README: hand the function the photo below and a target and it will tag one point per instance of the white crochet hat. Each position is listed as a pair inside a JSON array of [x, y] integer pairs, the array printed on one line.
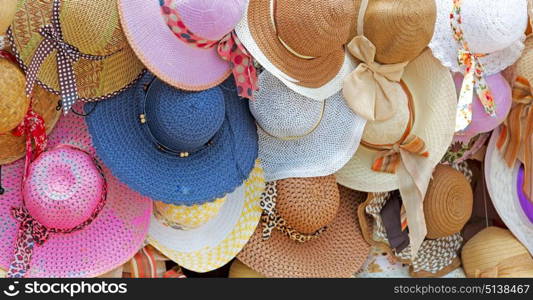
[[301, 137], [492, 27]]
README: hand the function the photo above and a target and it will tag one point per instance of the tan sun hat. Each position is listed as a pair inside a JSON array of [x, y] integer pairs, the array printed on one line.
[[448, 203], [7, 12], [401, 152], [90, 35], [308, 229], [240, 270], [495, 253]]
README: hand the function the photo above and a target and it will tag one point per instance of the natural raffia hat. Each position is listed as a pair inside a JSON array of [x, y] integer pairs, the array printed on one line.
[[308, 229], [84, 37], [495, 253], [7, 12]]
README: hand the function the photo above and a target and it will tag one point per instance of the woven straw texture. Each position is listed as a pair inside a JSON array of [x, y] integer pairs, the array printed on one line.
[[337, 252], [326, 90], [44, 103], [489, 248], [13, 103], [7, 13], [240, 270], [329, 132], [173, 61], [110, 241], [187, 217], [400, 29], [502, 186], [207, 174], [448, 203], [490, 27], [91, 26], [524, 66], [435, 102], [217, 242]]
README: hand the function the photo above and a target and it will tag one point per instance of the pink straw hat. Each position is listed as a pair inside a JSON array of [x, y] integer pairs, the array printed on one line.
[[481, 121], [189, 44], [85, 222]]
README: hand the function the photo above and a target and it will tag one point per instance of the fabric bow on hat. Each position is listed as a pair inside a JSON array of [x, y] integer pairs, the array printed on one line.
[[516, 138], [371, 89], [66, 55]]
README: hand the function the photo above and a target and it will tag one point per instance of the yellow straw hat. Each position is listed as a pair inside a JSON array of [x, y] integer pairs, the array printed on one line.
[[7, 12], [240, 270]]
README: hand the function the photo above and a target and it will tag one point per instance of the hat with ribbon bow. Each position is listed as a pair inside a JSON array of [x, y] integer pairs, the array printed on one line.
[[70, 217], [478, 38], [73, 48], [24, 121], [197, 48], [300, 42], [308, 229], [401, 152], [495, 253], [372, 88]]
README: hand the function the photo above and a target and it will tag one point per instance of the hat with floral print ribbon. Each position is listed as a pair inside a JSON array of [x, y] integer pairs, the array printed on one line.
[[196, 46]]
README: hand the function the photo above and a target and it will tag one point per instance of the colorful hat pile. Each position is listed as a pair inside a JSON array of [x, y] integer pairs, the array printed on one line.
[[269, 138]]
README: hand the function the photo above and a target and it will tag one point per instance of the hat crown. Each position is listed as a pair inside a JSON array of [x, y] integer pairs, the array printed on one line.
[[313, 28], [308, 204], [493, 25], [187, 217], [210, 19], [63, 188], [183, 121]]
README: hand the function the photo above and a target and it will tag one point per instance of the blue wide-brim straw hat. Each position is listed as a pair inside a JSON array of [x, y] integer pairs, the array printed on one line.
[[175, 146]]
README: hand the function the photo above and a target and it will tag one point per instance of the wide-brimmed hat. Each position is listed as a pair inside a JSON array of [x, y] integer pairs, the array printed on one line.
[[301, 137], [401, 152], [505, 185], [308, 229], [85, 40], [175, 146], [7, 13], [14, 109], [196, 47], [495, 253], [301, 43], [111, 239], [225, 227], [393, 38]]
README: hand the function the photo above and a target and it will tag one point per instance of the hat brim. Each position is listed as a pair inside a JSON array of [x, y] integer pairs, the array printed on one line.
[[502, 187], [171, 60], [14, 147], [108, 242], [218, 241], [435, 101], [204, 176], [339, 251], [255, 44]]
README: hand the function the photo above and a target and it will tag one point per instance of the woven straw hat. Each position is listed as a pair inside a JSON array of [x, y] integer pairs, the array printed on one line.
[[114, 236], [427, 81], [492, 27], [307, 205], [240, 270], [300, 137], [505, 190], [298, 24], [7, 12], [495, 253], [448, 203], [400, 29], [217, 241], [13, 107], [93, 28]]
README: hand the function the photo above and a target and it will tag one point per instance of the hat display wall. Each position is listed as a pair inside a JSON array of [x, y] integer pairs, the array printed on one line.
[[179, 147], [481, 121], [111, 239], [84, 37], [192, 37], [400, 153], [495, 253], [396, 33], [506, 193], [308, 229], [300, 42], [300, 137]]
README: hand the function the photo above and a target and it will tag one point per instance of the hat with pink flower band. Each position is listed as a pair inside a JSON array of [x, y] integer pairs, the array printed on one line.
[[68, 217]]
